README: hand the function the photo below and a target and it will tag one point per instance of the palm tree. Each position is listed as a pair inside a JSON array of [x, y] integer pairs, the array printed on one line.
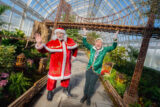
[[3, 8]]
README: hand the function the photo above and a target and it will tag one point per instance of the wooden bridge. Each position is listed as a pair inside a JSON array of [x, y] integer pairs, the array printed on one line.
[[125, 29]]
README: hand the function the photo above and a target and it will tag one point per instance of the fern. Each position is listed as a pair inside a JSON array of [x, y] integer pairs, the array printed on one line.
[[18, 84]]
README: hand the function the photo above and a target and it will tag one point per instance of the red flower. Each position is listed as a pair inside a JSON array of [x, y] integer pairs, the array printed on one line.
[[104, 71]]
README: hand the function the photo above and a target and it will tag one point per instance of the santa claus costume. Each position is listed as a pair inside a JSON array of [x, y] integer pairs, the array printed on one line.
[[62, 51]]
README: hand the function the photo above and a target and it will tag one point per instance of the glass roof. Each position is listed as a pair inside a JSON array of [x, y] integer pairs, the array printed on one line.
[[85, 8], [47, 9]]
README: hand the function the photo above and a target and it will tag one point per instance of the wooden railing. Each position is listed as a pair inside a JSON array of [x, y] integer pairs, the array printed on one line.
[[117, 98]]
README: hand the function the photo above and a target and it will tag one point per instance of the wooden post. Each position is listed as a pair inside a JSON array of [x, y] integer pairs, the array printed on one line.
[[42, 65], [131, 95], [58, 15], [67, 12], [0, 40]]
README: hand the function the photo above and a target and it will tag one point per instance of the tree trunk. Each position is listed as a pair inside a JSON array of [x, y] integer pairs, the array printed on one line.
[[0, 40], [131, 95]]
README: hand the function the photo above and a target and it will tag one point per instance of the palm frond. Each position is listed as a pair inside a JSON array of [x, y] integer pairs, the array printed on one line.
[[3, 8]]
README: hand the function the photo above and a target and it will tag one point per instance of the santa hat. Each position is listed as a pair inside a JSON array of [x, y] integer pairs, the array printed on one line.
[[54, 37]]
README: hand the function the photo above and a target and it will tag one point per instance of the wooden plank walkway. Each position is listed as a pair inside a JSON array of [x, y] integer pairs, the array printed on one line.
[[99, 99]]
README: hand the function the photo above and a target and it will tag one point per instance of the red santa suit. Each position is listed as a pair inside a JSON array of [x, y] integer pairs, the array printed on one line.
[[60, 60]]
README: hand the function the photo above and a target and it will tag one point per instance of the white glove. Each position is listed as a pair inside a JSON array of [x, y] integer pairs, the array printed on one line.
[[84, 31], [115, 37]]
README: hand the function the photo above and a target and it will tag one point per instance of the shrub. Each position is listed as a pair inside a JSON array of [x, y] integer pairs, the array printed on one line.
[[118, 56], [6, 58], [120, 87]]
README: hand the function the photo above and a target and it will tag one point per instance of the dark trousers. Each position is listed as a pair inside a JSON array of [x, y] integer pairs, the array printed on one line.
[[91, 79]]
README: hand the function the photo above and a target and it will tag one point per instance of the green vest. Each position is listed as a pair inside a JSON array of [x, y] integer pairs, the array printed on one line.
[[97, 64]]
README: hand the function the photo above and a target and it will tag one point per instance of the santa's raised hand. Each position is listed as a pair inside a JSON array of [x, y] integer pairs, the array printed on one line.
[[84, 31], [38, 38]]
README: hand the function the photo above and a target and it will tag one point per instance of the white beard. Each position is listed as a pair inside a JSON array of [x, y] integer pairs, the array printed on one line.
[[60, 38]]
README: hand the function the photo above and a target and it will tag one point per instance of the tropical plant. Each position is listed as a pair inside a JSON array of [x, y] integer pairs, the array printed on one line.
[[118, 56], [132, 53], [6, 58], [73, 33], [18, 84], [19, 44], [16, 33], [3, 8]]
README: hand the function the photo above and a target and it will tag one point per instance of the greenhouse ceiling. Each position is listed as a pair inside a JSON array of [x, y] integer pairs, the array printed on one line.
[[31, 10], [42, 9]]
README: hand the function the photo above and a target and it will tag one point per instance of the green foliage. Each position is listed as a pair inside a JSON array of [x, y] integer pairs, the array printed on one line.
[[33, 53], [16, 33], [6, 58], [148, 103], [149, 87], [3, 8], [135, 105], [1, 92], [118, 56], [71, 18], [120, 87], [73, 33], [19, 44], [91, 36], [18, 84], [133, 53]]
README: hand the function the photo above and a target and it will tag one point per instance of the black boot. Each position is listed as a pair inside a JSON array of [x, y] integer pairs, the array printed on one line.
[[84, 98], [88, 102], [67, 92], [49, 96]]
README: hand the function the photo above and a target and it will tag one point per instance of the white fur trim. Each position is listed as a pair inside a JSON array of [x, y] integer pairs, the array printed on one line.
[[96, 49], [60, 30], [52, 50], [64, 59], [72, 47], [59, 78], [39, 47]]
